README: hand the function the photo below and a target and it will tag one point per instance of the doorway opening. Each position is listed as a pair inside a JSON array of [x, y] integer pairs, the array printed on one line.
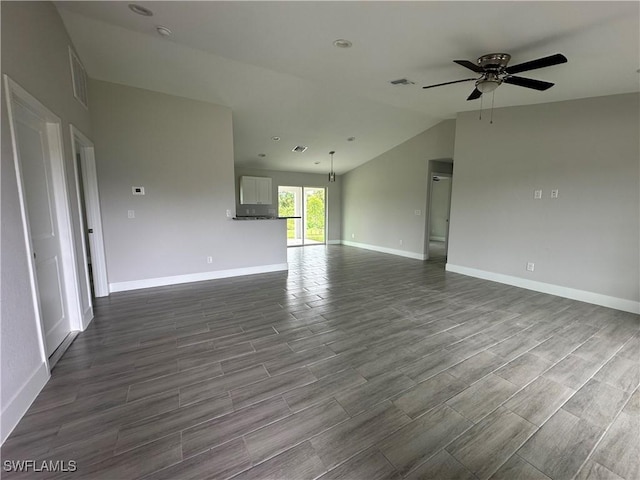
[[306, 209], [439, 209], [93, 254]]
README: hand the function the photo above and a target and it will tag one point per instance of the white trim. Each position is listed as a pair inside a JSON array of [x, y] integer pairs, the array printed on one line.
[[94, 216], [334, 242], [391, 251], [566, 292], [17, 406], [435, 238], [195, 277]]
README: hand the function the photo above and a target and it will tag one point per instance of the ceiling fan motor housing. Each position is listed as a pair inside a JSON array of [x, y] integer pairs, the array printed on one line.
[[494, 62]]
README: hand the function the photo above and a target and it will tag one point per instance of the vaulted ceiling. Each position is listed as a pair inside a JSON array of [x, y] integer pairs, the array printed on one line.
[[274, 64]]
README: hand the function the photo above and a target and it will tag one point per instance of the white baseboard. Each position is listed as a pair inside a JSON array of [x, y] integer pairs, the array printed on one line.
[[434, 238], [15, 409], [334, 242], [194, 277], [560, 291], [392, 251]]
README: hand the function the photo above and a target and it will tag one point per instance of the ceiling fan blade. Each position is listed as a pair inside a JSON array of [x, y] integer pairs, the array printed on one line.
[[528, 83], [449, 83], [539, 63], [470, 65], [475, 94]]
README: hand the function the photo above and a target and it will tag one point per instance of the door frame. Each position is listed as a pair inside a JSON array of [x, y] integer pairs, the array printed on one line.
[[94, 216], [17, 95], [428, 223]]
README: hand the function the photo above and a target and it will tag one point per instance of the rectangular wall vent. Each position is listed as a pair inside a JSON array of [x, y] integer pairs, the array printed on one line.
[[299, 149], [79, 79], [402, 81]]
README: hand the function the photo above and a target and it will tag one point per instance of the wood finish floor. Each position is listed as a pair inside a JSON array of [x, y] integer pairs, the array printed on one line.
[[354, 365]]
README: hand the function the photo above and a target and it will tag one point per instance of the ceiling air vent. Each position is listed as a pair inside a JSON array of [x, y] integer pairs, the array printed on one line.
[[402, 81], [79, 79], [299, 148]]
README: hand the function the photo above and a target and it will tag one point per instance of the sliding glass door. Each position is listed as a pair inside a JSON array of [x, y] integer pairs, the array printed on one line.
[[308, 203]]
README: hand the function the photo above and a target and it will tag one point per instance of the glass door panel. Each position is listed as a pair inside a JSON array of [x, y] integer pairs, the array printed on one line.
[[314, 215], [309, 204], [290, 205]]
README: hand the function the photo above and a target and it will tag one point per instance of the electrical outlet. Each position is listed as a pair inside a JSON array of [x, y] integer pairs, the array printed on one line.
[[417, 212], [530, 266], [209, 259], [537, 194], [353, 235], [554, 193], [400, 242], [229, 215], [131, 214]]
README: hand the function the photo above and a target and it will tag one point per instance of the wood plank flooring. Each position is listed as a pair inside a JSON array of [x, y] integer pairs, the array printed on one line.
[[353, 365]]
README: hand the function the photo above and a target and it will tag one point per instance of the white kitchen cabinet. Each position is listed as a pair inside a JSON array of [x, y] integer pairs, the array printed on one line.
[[255, 190]]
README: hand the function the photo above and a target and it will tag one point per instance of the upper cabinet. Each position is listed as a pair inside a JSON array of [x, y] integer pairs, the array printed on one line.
[[255, 191]]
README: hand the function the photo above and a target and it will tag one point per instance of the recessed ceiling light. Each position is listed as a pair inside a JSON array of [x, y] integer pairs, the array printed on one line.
[[316, 163], [299, 148], [262, 155], [164, 31], [342, 43], [140, 10], [351, 139], [275, 139]]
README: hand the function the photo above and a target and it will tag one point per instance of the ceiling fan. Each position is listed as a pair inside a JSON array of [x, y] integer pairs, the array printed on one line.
[[494, 71]]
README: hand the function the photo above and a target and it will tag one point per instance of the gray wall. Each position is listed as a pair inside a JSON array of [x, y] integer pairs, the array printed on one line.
[[181, 152], [587, 238], [35, 55], [334, 194], [379, 198]]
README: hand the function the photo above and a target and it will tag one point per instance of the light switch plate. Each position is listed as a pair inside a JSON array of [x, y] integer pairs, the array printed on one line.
[[137, 190]]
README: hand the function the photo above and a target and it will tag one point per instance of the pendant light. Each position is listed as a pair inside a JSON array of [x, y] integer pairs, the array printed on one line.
[[332, 174]]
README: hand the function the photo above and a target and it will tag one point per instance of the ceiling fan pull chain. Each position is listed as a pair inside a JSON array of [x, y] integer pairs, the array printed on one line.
[[480, 109], [493, 96]]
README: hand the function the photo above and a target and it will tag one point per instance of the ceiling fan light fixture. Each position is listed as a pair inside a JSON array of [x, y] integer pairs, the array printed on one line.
[[487, 85]]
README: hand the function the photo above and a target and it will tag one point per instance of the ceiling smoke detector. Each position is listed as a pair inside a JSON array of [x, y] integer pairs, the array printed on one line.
[[275, 138], [140, 10], [299, 149]]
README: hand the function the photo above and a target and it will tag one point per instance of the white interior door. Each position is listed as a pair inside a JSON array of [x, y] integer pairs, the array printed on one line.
[[33, 151]]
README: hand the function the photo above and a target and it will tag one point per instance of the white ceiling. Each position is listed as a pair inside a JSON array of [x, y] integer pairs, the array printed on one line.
[[275, 66]]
